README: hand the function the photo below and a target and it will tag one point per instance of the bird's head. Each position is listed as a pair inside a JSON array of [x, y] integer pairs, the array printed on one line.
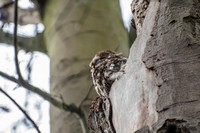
[[100, 58]]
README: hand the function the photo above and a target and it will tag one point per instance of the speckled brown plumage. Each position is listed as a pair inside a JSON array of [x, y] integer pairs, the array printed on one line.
[[106, 67], [100, 116], [139, 9]]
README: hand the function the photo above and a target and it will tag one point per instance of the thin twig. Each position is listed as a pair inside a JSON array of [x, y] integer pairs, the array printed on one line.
[[29, 67], [71, 108], [22, 110], [15, 41], [84, 123], [86, 97]]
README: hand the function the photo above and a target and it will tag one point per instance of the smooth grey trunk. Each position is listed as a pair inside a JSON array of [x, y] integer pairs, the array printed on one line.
[[160, 91]]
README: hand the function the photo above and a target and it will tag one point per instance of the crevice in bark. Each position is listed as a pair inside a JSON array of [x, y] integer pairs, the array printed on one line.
[[173, 22], [174, 126], [176, 104]]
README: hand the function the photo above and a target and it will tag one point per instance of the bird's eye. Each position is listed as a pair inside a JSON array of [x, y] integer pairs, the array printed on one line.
[[98, 61]]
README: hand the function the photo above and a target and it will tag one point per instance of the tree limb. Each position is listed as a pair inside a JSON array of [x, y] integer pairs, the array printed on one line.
[[59, 104], [15, 42], [22, 110], [71, 108]]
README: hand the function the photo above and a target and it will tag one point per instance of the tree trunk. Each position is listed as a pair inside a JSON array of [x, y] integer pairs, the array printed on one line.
[[160, 91], [75, 31]]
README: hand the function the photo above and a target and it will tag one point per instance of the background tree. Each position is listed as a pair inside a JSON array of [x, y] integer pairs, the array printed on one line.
[[74, 32], [73, 35]]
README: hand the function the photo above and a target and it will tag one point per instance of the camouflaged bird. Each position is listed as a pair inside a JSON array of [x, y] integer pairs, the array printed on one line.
[[139, 9], [100, 116], [106, 67]]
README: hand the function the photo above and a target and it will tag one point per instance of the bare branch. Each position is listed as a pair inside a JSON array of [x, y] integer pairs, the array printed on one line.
[[22, 110], [71, 108], [59, 104], [15, 41]]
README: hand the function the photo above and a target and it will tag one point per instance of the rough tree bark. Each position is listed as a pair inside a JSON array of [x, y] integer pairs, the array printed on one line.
[[160, 91], [75, 31]]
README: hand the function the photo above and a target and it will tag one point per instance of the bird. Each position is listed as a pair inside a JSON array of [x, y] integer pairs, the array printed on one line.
[[106, 67], [100, 116], [139, 9]]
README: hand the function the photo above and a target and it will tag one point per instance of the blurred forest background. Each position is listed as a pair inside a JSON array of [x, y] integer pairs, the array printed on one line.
[[68, 33]]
